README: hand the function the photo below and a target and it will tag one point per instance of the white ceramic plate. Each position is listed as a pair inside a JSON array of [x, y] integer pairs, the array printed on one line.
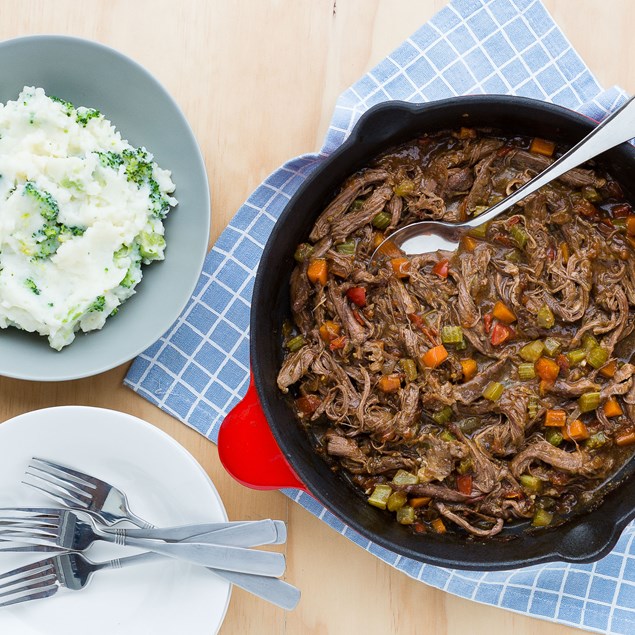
[[164, 484]]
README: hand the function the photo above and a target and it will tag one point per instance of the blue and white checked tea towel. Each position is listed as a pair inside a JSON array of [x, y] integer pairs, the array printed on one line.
[[200, 368]]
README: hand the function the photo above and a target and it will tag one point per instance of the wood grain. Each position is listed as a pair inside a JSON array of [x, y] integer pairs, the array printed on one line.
[[258, 81]]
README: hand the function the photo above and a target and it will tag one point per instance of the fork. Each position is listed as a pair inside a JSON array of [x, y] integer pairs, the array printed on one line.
[[64, 484], [63, 528], [79, 490], [69, 570]]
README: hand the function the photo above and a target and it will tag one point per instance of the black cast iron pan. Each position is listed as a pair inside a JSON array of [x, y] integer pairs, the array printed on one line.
[[261, 442]]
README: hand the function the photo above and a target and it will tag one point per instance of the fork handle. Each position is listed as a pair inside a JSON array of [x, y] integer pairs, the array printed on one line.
[[215, 556]]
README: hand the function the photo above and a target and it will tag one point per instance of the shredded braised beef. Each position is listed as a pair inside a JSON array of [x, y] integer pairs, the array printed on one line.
[[467, 390]]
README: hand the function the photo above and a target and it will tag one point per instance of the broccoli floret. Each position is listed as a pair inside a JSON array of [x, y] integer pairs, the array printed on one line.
[[111, 160], [151, 246], [138, 168], [51, 236], [98, 304], [130, 279], [47, 205], [86, 115], [29, 284], [140, 171], [67, 105]]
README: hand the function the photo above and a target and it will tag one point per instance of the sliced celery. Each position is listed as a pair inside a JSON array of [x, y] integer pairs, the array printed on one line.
[[552, 346], [589, 401], [597, 357], [443, 416], [379, 497], [406, 515], [296, 343], [531, 352], [526, 371], [493, 391], [545, 317], [396, 500], [405, 478], [451, 334]]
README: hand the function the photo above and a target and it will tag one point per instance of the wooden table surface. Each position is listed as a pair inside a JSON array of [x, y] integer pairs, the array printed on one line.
[[258, 82]]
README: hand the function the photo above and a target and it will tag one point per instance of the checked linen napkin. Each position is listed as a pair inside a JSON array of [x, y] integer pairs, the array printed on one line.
[[199, 369]]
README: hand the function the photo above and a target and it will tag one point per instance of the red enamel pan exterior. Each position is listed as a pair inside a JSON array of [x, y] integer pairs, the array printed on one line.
[[261, 442]]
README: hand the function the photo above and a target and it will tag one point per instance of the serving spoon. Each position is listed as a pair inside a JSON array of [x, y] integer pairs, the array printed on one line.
[[428, 235]]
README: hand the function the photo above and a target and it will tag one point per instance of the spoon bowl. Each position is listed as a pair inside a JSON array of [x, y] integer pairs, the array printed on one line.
[[428, 236]]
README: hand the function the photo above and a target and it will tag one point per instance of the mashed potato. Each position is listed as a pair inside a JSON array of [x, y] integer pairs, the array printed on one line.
[[80, 211]]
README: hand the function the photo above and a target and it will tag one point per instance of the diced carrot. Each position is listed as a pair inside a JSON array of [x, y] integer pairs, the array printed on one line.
[[357, 295], [442, 268], [464, 484], [623, 210], [329, 331], [630, 225], [307, 404], [542, 146], [575, 431], [609, 370], [435, 356], [612, 408], [469, 243], [400, 267], [389, 383], [338, 343], [318, 271], [564, 250], [438, 525], [547, 369], [625, 438], [555, 418], [389, 249], [378, 239], [470, 368], [503, 314], [419, 501], [500, 334]]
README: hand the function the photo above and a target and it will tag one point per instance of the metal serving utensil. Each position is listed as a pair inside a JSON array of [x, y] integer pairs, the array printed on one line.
[[428, 236]]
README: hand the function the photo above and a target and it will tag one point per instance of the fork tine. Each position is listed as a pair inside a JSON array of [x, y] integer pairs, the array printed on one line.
[[10, 546], [40, 565], [80, 477], [45, 593], [68, 500], [30, 539], [33, 581], [63, 482]]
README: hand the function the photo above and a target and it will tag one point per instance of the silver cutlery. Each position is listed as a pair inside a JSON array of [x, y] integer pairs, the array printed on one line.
[[66, 570], [64, 484], [63, 528], [81, 491]]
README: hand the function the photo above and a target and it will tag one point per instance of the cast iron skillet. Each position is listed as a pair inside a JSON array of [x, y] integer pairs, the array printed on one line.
[[257, 459]]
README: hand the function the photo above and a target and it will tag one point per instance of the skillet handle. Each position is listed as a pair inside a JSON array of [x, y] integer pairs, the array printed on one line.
[[248, 450]]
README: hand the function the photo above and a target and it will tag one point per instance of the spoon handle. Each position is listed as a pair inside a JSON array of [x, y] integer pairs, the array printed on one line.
[[616, 129]]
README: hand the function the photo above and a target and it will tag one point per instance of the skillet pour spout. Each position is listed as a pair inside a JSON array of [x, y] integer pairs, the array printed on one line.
[[584, 537]]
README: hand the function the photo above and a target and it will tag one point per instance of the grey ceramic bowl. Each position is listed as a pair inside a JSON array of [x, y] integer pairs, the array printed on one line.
[[89, 74]]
